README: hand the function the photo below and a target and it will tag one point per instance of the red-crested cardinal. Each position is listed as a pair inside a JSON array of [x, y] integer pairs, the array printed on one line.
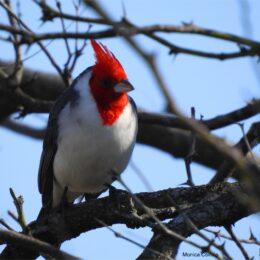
[[91, 132]]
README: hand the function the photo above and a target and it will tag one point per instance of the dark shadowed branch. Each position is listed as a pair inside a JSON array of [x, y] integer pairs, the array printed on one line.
[[203, 214], [82, 217], [250, 110], [245, 144], [14, 238]]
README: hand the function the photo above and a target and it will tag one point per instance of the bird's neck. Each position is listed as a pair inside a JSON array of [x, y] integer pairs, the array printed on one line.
[[110, 105]]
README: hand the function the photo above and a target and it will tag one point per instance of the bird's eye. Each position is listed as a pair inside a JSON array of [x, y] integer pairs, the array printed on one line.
[[106, 83]]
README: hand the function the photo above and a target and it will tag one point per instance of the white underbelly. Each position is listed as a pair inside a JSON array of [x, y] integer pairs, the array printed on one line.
[[87, 154], [85, 166]]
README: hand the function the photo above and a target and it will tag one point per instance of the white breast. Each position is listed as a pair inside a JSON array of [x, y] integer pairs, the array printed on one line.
[[87, 150]]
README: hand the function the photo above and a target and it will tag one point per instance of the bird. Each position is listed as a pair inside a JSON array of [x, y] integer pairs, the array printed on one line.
[[91, 132]]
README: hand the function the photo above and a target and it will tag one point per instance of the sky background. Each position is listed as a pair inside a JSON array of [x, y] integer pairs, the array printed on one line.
[[211, 86]]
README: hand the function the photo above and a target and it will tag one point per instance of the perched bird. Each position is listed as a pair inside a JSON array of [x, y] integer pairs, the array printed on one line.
[[91, 132]]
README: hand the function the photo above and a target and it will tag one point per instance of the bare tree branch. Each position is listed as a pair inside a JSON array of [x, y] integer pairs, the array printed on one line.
[[227, 168], [125, 27], [250, 110], [24, 129], [204, 214], [14, 238], [82, 217]]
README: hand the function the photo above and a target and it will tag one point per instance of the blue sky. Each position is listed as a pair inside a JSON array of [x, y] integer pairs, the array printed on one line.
[[211, 86]]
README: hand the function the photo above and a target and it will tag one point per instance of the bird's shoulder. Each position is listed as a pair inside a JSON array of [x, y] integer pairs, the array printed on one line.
[[132, 102], [133, 105], [68, 97]]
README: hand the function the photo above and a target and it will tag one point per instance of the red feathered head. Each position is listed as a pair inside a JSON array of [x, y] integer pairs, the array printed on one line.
[[108, 84], [107, 66]]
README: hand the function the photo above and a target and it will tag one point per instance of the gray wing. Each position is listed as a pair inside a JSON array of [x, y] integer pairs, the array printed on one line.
[[45, 174]]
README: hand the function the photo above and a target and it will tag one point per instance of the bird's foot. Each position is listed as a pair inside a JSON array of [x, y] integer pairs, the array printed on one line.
[[61, 208], [113, 192], [116, 195]]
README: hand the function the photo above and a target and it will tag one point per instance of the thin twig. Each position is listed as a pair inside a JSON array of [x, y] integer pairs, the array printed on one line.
[[18, 67], [241, 125], [245, 241], [47, 53], [18, 202], [120, 235], [3, 223], [237, 242], [192, 152], [141, 175]]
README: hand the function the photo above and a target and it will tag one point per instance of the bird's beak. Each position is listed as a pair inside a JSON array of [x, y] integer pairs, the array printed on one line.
[[123, 86]]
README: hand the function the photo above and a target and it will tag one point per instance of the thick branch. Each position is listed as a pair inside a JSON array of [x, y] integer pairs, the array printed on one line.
[[84, 217], [38, 85], [24, 129], [221, 210], [245, 144], [251, 109]]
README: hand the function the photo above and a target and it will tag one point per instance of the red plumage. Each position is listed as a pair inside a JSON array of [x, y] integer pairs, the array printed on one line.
[[106, 73], [107, 65]]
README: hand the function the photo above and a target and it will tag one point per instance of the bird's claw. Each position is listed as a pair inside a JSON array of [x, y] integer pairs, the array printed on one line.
[[115, 195], [61, 208]]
